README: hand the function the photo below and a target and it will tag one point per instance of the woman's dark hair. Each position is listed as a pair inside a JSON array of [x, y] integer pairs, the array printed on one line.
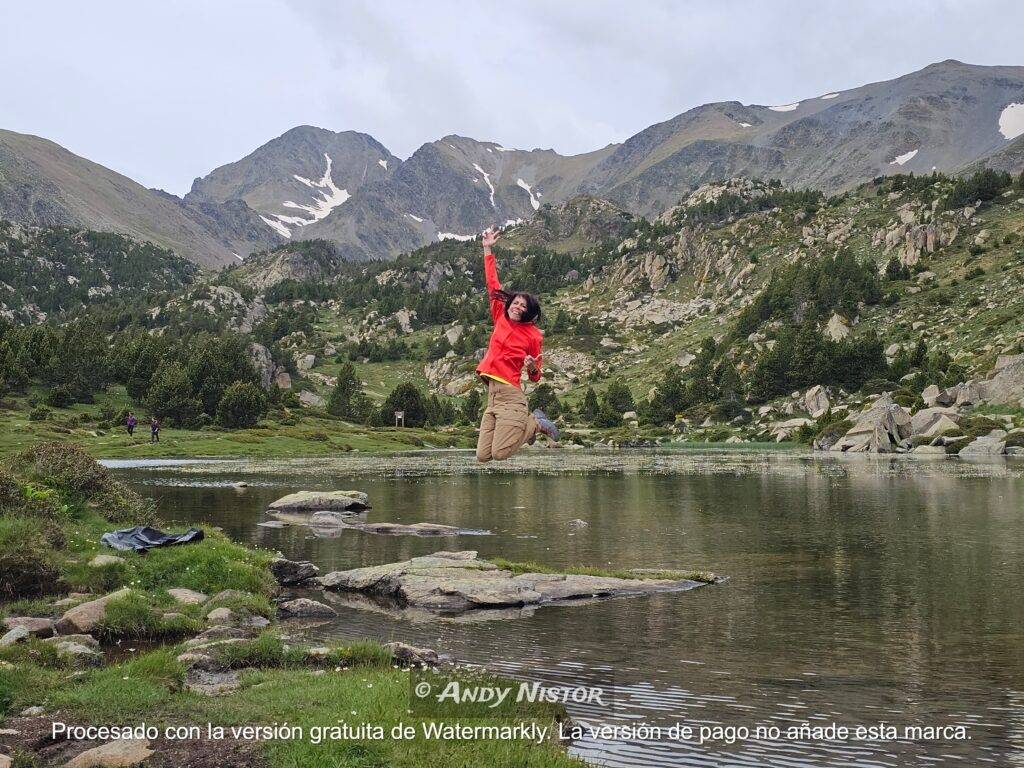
[[532, 313]]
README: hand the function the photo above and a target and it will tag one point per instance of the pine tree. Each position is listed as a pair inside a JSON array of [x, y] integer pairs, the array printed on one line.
[[589, 407], [347, 399]]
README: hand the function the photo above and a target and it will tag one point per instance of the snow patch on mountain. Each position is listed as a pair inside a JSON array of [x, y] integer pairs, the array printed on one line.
[[533, 198], [1011, 121], [504, 149], [487, 179], [904, 158], [277, 226], [415, 218], [453, 236], [830, 95], [383, 164], [327, 196], [785, 107], [745, 125]]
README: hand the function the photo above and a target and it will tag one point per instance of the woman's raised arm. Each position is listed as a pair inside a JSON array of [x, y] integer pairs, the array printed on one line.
[[490, 237]]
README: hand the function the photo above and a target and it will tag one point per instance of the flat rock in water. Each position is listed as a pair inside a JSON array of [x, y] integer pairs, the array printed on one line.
[[452, 582], [308, 501]]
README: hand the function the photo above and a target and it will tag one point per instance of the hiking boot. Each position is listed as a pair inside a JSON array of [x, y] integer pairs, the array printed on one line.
[[547, 426]]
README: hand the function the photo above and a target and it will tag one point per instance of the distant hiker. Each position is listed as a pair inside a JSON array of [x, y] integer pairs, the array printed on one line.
[[515, 343], [154, 430], [130, 423]]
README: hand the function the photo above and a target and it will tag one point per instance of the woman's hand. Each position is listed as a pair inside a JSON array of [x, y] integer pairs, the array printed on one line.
[[490, 237], [531, 363]]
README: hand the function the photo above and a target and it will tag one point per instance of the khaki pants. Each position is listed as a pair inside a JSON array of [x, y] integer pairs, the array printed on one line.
[[507, 424]]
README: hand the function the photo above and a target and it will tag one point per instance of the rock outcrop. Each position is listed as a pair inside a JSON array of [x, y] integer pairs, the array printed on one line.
[[877, 429]]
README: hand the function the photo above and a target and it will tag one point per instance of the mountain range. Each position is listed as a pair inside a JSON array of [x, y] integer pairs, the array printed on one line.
[[311, 183]]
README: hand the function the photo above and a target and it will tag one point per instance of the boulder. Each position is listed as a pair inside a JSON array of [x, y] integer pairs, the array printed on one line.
[[114, 754], [219, 614], [311, 399], [1006, 387], [187, 596], [36, 627], [780, 430], [991, 445], [6, 761], [79, 654], [411, 656], [941, 426], [86, 640], [102, 560], [934, 396], [15, 635], [304, 607], [816, 401], [1003, 361], [263, 364], [965, 393], [305, 363], [877, 429], [924, 420], [929, 450], [282, 379], [83, 618], [290, 572], [309, 501]]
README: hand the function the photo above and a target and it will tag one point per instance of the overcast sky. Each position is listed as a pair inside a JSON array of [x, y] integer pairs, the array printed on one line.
[[165, 92]]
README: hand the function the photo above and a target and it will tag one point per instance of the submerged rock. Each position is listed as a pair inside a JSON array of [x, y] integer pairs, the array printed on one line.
[[460, 581], [304, 607]]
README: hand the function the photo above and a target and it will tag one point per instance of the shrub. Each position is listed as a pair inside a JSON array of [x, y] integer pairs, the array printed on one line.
[[27, 565], [120, 504], [38, 413], [607, 417], [64, 466], [242, 405], [59, 397]]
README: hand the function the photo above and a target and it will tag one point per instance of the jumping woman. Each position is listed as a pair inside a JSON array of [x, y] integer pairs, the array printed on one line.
[[515, 344]]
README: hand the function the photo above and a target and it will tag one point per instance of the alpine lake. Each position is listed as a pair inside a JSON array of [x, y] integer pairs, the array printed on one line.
[[873, 613]]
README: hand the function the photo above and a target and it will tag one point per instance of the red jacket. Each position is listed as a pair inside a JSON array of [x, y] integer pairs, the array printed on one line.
[[510, 341]]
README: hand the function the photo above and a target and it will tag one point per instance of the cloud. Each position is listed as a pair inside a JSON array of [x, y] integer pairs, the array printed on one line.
[[166, 92]]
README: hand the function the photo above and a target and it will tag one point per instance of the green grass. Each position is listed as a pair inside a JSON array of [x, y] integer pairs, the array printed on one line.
[[312, 435], [614, 573], [365, 689]]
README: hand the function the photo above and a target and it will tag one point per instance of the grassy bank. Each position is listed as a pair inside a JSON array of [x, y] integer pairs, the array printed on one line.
[[307, 433], [55, 503]]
